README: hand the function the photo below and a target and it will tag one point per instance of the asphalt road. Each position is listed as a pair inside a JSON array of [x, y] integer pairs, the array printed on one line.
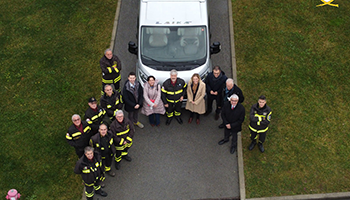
[[176, 161]]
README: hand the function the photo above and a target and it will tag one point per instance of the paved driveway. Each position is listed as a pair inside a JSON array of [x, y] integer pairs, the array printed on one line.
[[176, 161]]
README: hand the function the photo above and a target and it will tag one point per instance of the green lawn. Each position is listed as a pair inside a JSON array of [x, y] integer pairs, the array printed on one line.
[[297, 55], [50, 53]]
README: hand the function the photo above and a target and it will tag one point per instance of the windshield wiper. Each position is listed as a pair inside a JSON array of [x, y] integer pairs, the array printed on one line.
[[157, 61]]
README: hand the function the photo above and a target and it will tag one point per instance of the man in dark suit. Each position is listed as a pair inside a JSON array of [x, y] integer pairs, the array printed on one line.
[[230, 89], [232, 114]]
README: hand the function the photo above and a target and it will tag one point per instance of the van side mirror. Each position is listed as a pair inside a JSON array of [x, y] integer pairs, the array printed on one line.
[[132, 47], [215, 48]]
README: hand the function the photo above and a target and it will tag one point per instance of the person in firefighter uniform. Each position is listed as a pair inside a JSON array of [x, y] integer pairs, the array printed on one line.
[[103, 143], [90, 168], [79, 134], [173, 91], [122, 130], [110, 66], [260, 116], [111, 101], [96, 113]]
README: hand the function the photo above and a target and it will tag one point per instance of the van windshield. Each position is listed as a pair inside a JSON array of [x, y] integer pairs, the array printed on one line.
[[173, 45]]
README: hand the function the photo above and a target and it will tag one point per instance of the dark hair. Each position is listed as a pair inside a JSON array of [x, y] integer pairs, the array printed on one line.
[[262, 97], [217, 68], [149, 77], [132, 74]]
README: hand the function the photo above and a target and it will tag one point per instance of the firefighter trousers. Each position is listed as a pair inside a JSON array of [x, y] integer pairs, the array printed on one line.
[[121, 151], [91, 188], [174, 109], [255, 135], [107, 162]]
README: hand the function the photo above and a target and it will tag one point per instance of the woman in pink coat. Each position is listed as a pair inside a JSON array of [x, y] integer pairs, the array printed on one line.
[[152, 104]]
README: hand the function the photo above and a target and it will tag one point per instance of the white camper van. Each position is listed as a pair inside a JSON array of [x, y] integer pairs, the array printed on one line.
[[173, 34]]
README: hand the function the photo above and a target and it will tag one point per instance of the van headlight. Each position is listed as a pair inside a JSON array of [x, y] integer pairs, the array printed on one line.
[[204, 75], [143, 76]]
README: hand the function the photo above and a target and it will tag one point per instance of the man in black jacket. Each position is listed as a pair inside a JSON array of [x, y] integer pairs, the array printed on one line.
[[215, 83], [173, 91], [90, 168], [133, 98], [260, 116], [232, 114], [230, 89], [110, 66], [79, 134]]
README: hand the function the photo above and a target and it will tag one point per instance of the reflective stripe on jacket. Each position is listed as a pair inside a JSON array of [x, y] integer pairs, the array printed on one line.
[[110, 69], [77, 139], [171, 93], [259, 118], [90, 171]]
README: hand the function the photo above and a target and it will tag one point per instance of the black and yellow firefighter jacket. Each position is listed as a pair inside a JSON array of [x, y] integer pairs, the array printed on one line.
[[122, 132], [171, 93], [95, 116], [80, 140], [110, 69], [259, 118], [112, 103], [90, 171], [103, 145]]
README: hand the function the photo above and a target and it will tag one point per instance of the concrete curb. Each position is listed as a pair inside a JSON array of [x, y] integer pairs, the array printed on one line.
[[234, 76], [240, 167], [115, 25], [232, 39], [338, 195]]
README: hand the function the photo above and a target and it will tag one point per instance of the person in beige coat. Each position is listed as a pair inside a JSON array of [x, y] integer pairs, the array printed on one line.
[[195, 97]]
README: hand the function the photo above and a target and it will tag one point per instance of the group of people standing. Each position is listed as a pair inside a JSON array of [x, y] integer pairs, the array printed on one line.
[[106, 134]]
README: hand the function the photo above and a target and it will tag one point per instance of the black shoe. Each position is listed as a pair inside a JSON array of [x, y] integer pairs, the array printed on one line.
[[178, 119], [223, 141], [233, 149], [127, 158], [168, 121], [222, 125], [252, 145], [216, 116], [207, 113], [110, 173], [261, 147], [101, 192], [117, 165]]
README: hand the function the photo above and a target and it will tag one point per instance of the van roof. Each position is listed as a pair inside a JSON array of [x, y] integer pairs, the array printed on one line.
[[173, 12]]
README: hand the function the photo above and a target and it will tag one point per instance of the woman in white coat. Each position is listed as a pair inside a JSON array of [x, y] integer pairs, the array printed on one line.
[[195, 97], [152, 104]]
